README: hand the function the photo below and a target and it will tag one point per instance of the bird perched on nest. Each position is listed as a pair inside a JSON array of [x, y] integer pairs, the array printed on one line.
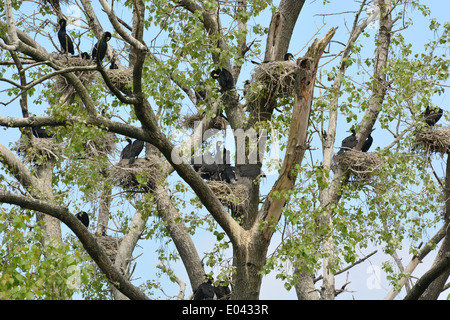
[[64, 38], [113, 65], [287, 57], [431, 116], [83, 217], [38, 132], [85, 56], [225, 79], [132, 150], [101, 46], [350, 142]]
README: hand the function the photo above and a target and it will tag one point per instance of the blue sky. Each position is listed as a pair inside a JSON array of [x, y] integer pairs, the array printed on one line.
[[310, 20]]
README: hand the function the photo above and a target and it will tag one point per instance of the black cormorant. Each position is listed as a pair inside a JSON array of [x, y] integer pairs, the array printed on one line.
[[85, 56], [349, 142], [222, 291], [224, 77], [247, 85], [132, 150], [83, 217], [38, 132], [368, 143], [64, 38], [431, 116], [113, 64], [288, 57], [101, 45], [205, 291]]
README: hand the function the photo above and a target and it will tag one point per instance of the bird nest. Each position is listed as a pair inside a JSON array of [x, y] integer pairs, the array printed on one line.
[[433, 140], [232, 196], [101, 146], [40, 148], [86, 77], [142, 175], [218, 122], [109, 244], [121, 79], [273, 79], [361, 164]]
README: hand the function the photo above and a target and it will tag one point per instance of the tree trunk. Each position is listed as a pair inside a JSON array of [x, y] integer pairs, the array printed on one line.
[[435, 288]]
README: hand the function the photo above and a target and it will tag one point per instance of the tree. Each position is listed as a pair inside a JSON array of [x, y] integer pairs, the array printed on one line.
[[163, 54]]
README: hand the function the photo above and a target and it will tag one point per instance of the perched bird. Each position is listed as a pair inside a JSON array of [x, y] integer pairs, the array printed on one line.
[[432, 116], [100, 47], [349, 142], [288, 57], [368, 143], [224, 77], [64, 39], [38, 132], [247, 85], [205, 291], [132, 150], [200, 92], [113, 64], [85, 56], [222, 291], [248, 170], [83, 217], [227, 172]]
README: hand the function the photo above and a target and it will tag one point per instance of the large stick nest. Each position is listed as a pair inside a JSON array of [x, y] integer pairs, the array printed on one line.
[[86, 77], [142, 175], [218, 122], [101, 146], [361, 164], [232, 196], [433, 140], [270, 80], [40, 148], [109, 244], [122, 79]]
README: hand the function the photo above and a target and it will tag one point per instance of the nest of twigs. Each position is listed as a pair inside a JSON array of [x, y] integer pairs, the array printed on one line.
[[271, 80], [101, 146], [433, 140], [361, 164], [86, 77], [232, 196], [142, 175], [122, 79], [40, 149], [218, 122], [109, 244]]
